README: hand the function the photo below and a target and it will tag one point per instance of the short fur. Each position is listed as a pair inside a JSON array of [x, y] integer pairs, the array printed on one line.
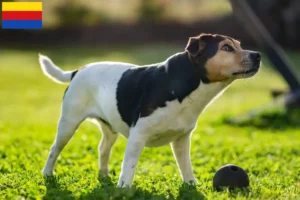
[[151, 105]]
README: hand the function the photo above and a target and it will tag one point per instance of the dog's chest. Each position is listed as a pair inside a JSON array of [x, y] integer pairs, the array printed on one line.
[[169, 123]]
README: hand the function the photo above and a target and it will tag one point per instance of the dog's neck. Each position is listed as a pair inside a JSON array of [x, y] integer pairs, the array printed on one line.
[[183, 63], [186, 79]]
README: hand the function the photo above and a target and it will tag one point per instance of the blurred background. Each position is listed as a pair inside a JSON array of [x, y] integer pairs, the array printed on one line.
[[95, 22], [77, 32]]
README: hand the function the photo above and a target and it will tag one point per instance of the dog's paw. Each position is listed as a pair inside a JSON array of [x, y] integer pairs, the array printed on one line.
[[47, 173], [192, 182], [104, 173], [123, 185]]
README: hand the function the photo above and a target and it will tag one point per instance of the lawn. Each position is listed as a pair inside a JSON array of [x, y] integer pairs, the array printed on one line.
[[268, 147]]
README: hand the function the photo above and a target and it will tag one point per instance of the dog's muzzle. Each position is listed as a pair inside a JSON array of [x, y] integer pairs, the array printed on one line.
[[250, 65], [255, 58]]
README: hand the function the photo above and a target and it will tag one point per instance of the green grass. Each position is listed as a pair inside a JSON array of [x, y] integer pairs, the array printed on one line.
[[266, 147]]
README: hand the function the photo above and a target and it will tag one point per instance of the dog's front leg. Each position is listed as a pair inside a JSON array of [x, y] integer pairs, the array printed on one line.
[[135, 145], [181, 151]]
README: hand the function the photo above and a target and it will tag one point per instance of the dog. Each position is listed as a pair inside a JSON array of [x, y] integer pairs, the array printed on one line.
[[151, 105]]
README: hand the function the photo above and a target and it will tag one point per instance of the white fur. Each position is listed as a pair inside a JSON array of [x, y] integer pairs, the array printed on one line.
[[92, 94], [53, 72]]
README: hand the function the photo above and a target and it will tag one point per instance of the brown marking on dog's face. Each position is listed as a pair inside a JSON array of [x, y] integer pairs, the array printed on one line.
[[222, 57]]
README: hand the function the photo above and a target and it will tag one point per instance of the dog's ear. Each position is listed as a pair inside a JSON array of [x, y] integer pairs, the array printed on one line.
[[197, 44]]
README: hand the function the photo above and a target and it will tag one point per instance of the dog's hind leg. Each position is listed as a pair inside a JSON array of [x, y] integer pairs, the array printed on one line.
[[71, 117], [66, 129], [108, 139]]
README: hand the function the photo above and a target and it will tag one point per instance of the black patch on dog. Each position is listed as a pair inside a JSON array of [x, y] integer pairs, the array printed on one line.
[[141, 90], [209, 51], [200, 61], [72, 76]]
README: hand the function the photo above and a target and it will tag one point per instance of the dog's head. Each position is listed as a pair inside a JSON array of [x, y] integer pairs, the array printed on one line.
[[222, 57]]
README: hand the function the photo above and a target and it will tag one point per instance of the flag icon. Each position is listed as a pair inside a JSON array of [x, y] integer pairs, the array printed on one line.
[[22, 15]]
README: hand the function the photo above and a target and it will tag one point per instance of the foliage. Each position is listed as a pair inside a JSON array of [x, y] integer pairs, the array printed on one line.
[[75, 13], [150, 10], [30, 106]]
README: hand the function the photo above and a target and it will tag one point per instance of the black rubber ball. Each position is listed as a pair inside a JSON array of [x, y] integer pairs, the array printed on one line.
[[231, 176]]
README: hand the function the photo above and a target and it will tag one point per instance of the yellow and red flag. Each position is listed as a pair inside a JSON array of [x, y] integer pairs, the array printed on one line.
[[22, 15]]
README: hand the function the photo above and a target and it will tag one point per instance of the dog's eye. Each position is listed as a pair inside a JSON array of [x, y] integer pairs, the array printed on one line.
[[226, 47]]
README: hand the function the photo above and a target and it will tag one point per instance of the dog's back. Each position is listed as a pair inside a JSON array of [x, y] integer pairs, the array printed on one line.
[[92, 89]]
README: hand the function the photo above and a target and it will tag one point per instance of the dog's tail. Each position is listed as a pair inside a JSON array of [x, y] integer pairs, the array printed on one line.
[[54, 72]]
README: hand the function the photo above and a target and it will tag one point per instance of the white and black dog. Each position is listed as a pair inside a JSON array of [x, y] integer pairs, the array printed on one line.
[[151, 105]]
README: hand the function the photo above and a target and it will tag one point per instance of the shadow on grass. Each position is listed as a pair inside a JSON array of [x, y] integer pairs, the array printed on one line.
[[108, 190], [188, 192], [55, 190], [271, 120], [243, 192], [234, 192]]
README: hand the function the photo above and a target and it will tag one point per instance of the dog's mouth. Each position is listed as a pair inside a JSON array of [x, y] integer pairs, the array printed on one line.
[[250, 71]]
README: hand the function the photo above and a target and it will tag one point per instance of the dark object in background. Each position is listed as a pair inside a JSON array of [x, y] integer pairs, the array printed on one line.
[[275, 53], [281, 18], [231, 176]]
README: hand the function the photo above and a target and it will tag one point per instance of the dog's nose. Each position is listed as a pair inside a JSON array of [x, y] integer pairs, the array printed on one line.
[[256, 56]]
